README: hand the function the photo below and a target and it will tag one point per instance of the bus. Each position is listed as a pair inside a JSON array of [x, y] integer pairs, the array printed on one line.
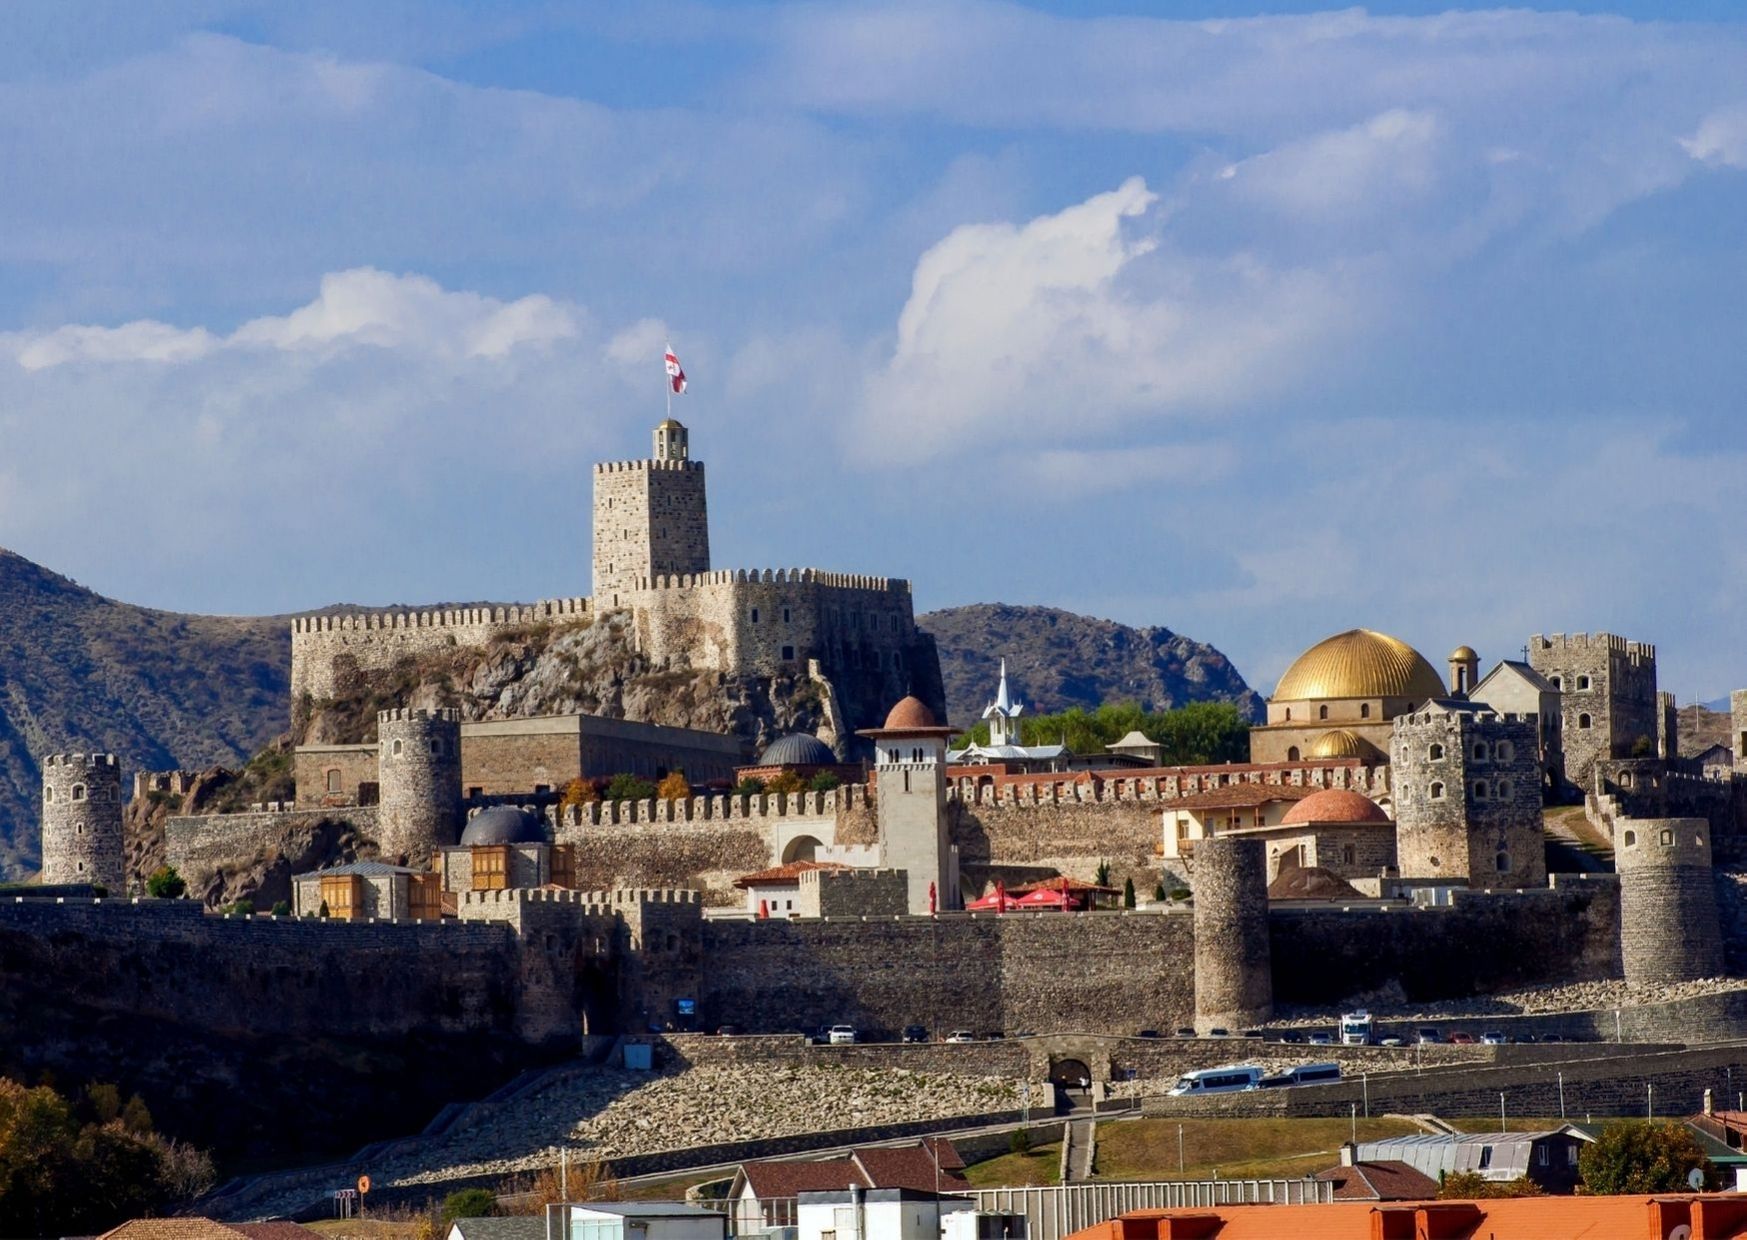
[[1235, 1078], [1314, 1074]]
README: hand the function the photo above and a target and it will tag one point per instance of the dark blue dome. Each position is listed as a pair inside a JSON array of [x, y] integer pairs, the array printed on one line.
[[503, 824], [797, 749]]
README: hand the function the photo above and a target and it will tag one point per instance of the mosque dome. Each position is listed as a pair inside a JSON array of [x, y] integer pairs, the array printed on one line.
[[1463, 654], [1359, 663], [797, 749], [1340, 743], [1334, 805], [910, 713], [503, 824]]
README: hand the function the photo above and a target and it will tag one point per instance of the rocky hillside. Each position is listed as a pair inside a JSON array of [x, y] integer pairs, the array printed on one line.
[[82, 672], [1057, 659]]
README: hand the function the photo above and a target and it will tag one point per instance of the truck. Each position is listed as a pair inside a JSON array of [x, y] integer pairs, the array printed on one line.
[[1355, 1029]]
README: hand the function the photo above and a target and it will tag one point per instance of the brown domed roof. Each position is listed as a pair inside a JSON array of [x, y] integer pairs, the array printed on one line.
[[1334, 805], [1359, 663], [911, 712]]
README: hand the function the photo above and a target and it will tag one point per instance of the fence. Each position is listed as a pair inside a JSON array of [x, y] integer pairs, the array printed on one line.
[[1052, 1213]]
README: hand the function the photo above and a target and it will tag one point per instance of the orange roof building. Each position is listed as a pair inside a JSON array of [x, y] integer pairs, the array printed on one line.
[[1697, 1217]]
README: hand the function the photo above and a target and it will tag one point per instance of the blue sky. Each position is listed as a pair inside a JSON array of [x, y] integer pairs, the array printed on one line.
[[1256, 327]]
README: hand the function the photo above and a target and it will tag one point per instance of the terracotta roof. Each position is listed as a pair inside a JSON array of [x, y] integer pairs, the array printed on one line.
[[789, 873], [909, 1166], [1387, 1180], [275, 1231], [1312, 882], [910, 717], [1241, 796], [1335, 805], [206, 1229]]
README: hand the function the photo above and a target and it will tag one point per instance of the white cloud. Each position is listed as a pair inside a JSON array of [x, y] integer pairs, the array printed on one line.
[[140, 341], [1077, 320], [1365, 167], [1721, 138], [639, 345]]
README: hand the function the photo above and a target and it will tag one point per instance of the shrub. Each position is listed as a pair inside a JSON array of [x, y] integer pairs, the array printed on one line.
[[1128, 893], [824, 781], [242, 908], [166, 884], [1103, 875], [784, 782], [578, 792], [1019, 1142], [467, 1203], [675, 787], [751, 786], [1472, 1186], [282, 908], [626, 787]]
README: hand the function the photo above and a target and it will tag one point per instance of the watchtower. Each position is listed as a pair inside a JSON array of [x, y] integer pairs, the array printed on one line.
[[1668, 906], [81, 821], [1234, 981], [1607, 688], [651, 518], [418, 759], [910, 804], [1467, 785], [1738, 728]]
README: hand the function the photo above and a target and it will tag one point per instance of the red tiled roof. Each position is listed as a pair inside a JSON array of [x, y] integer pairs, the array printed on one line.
[[275, 1231], [911, 1167], [1383, 1180], [790, 873], [1335, 805], [206, 1229], [1241, 796]]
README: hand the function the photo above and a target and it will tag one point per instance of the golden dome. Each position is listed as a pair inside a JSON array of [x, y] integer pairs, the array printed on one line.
[[1359, 664], [1463, 654], [1340, 743]]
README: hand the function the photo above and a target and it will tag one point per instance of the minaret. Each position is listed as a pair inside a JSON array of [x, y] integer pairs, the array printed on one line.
[[910, 804]]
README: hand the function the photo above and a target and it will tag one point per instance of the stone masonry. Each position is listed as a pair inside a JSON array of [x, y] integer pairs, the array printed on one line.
[[81, 821], [1607, 689], [1669, 929], [852, 893], [420, 762], [1233, 979], [1738, 728], [1468, 797]]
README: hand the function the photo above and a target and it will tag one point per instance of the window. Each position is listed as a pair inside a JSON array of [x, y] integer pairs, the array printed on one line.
[[437, 745], [788, 653], [1485, 1157], [79, 828], [1571, 1155], [1582, 683], [1583, 721], [48, 794], [1480, 751], [334, 779], [564, 865], [1346, 854], [1288, 714], [1543, 1156], [1322, 712], [1480, 790], [1503, 788], [1435, 753], [78, 792], [394, 749], [425, 897], [755, 615], [491, 867], [1437, 791], [1558, 682], [1364, 710], [343, 894], [785, 615], [1504, 751], [1668, 839], [1292, 754], [1631, 838], [1503, 862]]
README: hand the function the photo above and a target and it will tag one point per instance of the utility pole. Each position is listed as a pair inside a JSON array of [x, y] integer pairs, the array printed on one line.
[[1501, 1111], [1561, 1095]]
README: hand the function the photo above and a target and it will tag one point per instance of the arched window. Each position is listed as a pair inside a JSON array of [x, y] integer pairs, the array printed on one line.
[[1558, 682], [1583, 721], [1480, 790], [334, 780], [1631, 838], [1322, 712], [1668, 839], [79, 828], [1436, 752], [1292, 754], [394, 749], [1503, 862], [1503, 788], [1364, 710], [1288, 714], [1437, 791], [48, 794], [1504, 751], [78, 792], [1480, 751]]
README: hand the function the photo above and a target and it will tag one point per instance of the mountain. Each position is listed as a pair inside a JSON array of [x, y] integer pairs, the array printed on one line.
[[1057, 659], [80, 672]]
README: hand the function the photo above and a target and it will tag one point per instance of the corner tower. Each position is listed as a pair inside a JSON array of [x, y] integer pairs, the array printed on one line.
[[910, 804], [1234, 979], [1668, 906], [81, 821], [418, 755], [650, 518]]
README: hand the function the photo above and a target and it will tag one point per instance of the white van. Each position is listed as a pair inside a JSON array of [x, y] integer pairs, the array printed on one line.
[[1314, 1074], [1228, 1080]]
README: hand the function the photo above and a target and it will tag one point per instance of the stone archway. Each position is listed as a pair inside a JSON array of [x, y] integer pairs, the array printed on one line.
[[1065, 1073], [801, 848]]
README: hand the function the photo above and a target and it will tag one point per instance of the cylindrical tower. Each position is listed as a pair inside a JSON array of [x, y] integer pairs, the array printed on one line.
[[418, 761], [1668, 906], [1234, 982], [81, 821]]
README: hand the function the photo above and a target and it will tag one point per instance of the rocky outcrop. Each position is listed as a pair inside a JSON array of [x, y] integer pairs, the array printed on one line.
[[1057, 659]]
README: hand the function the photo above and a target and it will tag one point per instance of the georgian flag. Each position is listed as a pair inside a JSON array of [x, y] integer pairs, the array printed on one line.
[[675, 375]]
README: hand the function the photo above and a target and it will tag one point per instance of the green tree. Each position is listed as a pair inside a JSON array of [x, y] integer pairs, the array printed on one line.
[[242, 908], [467, 1203], [1102, 875], [281, 908], [1636, 1158], [1128, 893], [751, 786], [824, 781], [1019, 1142], [166, 884], [626, 787], [1199, 734]]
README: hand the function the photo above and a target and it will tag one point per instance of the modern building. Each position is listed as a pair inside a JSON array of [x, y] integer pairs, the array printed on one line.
[[1548, 1158]]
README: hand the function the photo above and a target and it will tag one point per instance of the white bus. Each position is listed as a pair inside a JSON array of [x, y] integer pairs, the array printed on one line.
[[1228, 1080]]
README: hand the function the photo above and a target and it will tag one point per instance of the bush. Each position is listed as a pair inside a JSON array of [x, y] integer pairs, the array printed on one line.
[[785, 782], [467, 1203], [281, 908], [824, 781], [1128, 893], [242, 908], [578, 792], [675, 787], [166, 884], [1641, 1158], [1102, 877], [1019, 1142], [624, 787], [1472, 1186], [751, 786]]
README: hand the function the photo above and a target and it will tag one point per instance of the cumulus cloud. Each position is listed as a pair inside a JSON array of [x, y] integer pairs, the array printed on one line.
[[1074, 321], [1369, 166], [1721, 138]]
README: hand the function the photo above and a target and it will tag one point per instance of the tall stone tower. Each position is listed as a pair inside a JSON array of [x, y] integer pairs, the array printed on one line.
[[418, 760], [1467, 784], [1234, 980], [910, 804], [1607, 688], [81, 821], [1667, 727], [650, 518], [1668, 906], [1738, 728]]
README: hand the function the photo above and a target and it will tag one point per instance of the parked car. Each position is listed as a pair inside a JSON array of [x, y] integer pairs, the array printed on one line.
[[1147, 1033], [1217, 1032], [1393, 1039], [1554, 1037], [1249, 1033], [961, 1035], [1427, 1036], [1292, 1036], [841, 1035], [728, 1031], [1461, 1038], [915, 1033], [1526, 1038], [1321, 1039], [1492, 1037], [1185, 1032]]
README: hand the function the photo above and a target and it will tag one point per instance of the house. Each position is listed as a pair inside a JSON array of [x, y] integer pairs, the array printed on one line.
[[602, 1220], [1547, 1158], [1216, 811], [1512, 1218], [874, 1213], [765, 1193], [526, 1227], [206, 1229], [368, 889], [773, 892], [1385, 1180]]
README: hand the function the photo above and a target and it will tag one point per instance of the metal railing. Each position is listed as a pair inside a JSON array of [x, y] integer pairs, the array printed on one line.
[[1053, 1213]]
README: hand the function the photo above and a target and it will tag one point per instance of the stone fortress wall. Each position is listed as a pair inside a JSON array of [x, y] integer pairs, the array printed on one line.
[[1607, 690], [1669, 930], [81, 820], [1468, 797]]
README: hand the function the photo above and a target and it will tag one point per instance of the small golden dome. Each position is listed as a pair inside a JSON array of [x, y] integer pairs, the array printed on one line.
[[669, 424], [1359, 663], [1340, 743], [1464, 654]]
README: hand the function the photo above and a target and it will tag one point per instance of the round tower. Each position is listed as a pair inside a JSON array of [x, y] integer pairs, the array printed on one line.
[[1234, 982], [81, 821], [1668, 906], [418, 758]]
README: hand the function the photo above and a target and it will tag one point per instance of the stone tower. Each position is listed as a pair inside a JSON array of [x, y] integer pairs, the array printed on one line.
[[650, 518], [1467, 784], [1667, 727], [1738, 728], [1234, 981], [910, 804], [1464, 671], [418, 758], [1607, 689], [81, 821], [1668, 906]]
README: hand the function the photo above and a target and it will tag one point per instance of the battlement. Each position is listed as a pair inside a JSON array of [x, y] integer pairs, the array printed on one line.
[[1593, 641], [414, 714], [1043, 791], [534, 895], [776, 576], [752, 809], [88, 761], [546, 610], [1458, 720], [1659, 843], [629, 467]]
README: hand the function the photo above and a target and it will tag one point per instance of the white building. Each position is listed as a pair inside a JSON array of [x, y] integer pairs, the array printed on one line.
[[609, 1220]]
